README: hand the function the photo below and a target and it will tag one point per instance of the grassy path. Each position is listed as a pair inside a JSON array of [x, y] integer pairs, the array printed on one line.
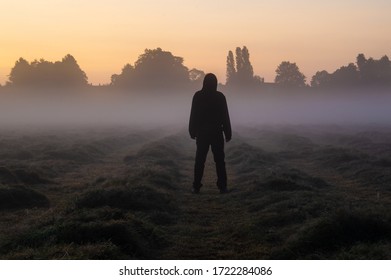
[[207, 226]]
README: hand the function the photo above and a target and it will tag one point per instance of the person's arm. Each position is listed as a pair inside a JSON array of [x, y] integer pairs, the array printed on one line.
[[192, 121], [226, 122]]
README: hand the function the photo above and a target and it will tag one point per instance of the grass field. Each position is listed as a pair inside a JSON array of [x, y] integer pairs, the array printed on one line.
[[297, 192]]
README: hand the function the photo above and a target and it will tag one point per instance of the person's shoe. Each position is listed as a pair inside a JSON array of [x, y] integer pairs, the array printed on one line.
[[195, 191]]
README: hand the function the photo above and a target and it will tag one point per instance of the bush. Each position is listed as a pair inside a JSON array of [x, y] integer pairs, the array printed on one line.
[[21, 198], [329, 235], [30, 178], [9, 177], [140, 198], [128, 239]]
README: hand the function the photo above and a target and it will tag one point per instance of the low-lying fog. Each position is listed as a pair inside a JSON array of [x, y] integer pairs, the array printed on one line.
[[160, 109]]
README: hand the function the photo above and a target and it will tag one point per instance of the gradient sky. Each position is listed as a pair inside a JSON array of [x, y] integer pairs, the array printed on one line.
[[104, 35]]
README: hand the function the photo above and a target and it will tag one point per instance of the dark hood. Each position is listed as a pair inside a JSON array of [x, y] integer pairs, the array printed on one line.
[[210, 83]]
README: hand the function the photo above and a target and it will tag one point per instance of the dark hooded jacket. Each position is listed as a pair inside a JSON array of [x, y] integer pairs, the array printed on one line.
[[209, 112]]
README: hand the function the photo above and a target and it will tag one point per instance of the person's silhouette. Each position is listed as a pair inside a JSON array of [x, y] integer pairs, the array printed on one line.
[[209, 119]]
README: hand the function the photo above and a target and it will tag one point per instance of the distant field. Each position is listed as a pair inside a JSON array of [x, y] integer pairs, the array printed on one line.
[[298, 192]]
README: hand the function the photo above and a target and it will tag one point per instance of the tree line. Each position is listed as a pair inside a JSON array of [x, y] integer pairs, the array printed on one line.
[[42, 73], [366, 72], [158, 69]]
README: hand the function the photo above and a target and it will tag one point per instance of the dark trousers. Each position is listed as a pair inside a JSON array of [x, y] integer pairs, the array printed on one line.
[[216, 141]]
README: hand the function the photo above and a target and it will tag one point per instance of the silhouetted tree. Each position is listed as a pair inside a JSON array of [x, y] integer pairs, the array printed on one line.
[[125, 79], [231, 71], [259, 80], [70, 72], [346, 76], [239, 63], [321, 79], [241, 74], [385, 70], [42, 73], [154, 69], [289, 75], [374, 72], [366, 68], [160, 69], [361, 62], [366, 72], [20, 74], [247, 72], [196, 76]]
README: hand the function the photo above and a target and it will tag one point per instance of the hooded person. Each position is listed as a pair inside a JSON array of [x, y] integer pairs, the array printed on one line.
[[209, 124]]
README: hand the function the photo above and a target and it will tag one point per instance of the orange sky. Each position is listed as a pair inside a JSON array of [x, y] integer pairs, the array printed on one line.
[[103, 35]]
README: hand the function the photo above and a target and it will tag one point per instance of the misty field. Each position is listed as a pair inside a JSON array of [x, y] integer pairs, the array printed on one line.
[[297, 192]]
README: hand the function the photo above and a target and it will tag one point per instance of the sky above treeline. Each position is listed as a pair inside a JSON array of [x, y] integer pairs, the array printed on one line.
[[104, 35]]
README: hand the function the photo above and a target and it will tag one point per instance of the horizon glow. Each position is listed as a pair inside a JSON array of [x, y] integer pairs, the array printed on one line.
[[105, 35]]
